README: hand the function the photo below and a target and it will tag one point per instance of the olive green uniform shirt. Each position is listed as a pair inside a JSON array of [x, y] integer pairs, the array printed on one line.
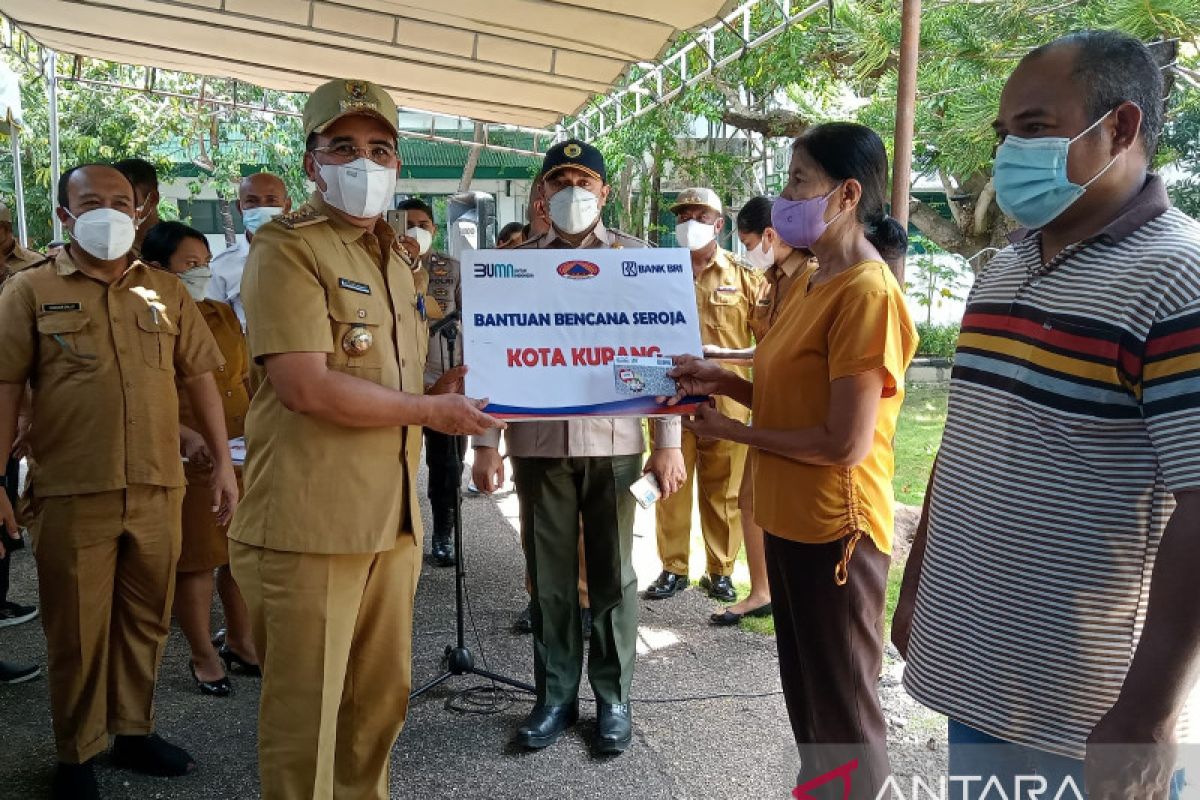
[[312, 281], [102, 360]]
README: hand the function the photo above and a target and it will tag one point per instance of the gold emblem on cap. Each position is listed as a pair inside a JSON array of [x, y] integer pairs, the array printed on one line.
[[357, 341], [572, 150], [356, 89]]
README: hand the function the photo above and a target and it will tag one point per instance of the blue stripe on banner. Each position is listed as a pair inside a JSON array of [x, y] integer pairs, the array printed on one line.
[[634, 405]]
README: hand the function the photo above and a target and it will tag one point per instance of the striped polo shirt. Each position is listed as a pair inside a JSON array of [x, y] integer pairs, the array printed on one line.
[[1074, 416]]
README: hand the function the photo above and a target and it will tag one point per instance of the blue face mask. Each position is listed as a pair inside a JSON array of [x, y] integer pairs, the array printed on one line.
[[1031, 181], [255, 218]]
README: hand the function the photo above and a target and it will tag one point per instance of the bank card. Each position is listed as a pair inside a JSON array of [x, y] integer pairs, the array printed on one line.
[[643, 376]]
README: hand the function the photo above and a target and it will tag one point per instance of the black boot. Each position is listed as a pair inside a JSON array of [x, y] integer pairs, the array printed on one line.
[[614, 728], [442, 542], [75, 782], [151, 755], [545, 724], [441, 547]]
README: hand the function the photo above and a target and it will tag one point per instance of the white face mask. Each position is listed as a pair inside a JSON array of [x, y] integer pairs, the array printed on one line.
[[694, 234], [574, 210], [255, 218], [196, 281], [104, 233], [423, 237], [761, 257], [361, 188]]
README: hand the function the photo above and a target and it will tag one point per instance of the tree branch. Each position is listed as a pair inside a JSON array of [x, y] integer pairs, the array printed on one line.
[[943, 232], [982, 206], [774, 123]]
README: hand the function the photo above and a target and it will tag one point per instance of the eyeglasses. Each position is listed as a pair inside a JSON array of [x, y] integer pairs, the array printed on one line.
[[382, 154]]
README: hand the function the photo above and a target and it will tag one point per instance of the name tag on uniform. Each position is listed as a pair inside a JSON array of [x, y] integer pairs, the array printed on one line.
[[727, 289], [354, 286], [49, 308]]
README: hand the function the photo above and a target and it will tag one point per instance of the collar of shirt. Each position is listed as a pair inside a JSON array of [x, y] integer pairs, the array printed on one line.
[[791, 265], [65, 265]]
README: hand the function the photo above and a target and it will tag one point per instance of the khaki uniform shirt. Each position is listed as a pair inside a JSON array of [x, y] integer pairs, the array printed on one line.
[[231, 376], [311, 281], [19, 258], [585, 436], [102, 360], [445, 290], [780, 278], [726, 293]]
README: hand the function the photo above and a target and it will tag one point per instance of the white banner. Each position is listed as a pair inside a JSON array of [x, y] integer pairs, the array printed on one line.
[[541, 328]]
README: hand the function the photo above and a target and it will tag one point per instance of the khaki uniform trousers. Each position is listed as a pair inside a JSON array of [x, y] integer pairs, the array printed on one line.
[[106, 579], [335, 640], [717, 467]]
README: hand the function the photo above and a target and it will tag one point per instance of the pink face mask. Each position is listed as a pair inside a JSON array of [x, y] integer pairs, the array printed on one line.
[[801, 222]]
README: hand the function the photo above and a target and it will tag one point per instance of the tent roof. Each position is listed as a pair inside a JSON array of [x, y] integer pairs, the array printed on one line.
[[525, 62]]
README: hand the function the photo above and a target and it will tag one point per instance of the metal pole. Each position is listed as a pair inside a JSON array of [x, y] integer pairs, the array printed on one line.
[[14, 137], [55, 170], [906, 102]]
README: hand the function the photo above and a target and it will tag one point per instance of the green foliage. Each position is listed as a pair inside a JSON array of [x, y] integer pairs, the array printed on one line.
[[105, 124], [937, 341]]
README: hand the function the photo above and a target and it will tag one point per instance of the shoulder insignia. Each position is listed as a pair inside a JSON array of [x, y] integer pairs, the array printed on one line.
[[301, 218]]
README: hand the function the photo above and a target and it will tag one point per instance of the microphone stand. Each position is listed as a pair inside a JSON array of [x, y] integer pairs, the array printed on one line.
[[458, 657]]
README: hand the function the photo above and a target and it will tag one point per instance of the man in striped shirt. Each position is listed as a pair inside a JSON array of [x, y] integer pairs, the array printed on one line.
[[1052, 588]]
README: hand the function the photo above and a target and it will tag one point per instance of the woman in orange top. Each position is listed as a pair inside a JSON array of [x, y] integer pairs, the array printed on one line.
[[827, 388], [184, 251]]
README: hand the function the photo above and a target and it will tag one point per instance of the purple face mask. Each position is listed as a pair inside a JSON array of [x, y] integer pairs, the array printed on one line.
[[801, 222]]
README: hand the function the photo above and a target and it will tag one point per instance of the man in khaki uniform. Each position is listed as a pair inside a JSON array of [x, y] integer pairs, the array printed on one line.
[[13, 257], [726, 293], [325, 546], [579, 470], [101, 339]]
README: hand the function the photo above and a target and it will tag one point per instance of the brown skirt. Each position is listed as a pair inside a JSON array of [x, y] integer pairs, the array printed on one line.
[[205, 542]]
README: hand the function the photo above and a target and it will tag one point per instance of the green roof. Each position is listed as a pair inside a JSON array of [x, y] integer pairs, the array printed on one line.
[[421, 159]]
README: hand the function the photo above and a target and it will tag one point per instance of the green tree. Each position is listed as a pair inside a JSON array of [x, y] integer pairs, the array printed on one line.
[[105, 124], [844, 66]]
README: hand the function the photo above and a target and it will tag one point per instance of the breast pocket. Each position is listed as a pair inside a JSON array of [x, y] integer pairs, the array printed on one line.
[[358, 330], [157, 335], [68, 334], [724, 311]]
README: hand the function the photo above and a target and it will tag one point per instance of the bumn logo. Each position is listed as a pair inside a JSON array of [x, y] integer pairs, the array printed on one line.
[[578, 270], [494, 270]]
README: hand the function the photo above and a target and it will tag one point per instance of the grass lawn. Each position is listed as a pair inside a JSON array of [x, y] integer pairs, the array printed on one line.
[[918, 434]]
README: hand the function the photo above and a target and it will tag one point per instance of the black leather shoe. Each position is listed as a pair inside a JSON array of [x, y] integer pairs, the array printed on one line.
[[232, 660], [524, 623], [726, 618], [75, 782], [151, 755], [545, 724], [614, 728], [719, 587], [668, 585], [441, 548], [218, 688]]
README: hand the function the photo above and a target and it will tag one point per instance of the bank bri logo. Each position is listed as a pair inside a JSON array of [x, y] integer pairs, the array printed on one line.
[[578, 270], [631, 269]]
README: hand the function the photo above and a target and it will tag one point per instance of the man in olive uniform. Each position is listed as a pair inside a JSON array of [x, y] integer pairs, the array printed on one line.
[[443, 454], [580, 470], [726, 293], [325, 547], [101, 339], [13, 259]]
